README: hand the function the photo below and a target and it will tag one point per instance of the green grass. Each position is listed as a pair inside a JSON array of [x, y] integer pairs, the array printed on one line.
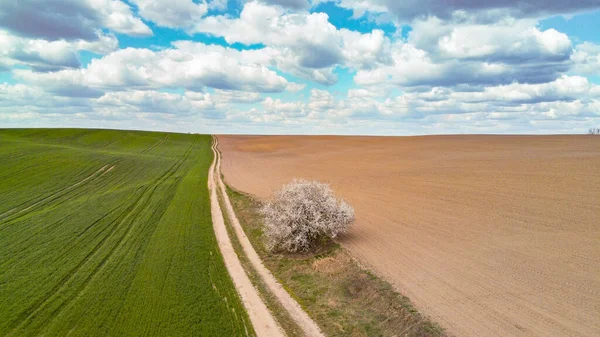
[[342, 297], [85, 251]]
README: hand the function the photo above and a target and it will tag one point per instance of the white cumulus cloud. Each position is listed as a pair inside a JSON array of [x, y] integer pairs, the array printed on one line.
[[172, 13], [208, 66]]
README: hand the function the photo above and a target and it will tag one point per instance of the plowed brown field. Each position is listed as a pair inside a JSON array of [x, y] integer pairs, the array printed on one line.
[[488, 235]]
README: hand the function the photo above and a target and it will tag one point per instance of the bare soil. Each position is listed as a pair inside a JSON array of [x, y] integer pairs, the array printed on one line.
[[488, 235], [342, 296]]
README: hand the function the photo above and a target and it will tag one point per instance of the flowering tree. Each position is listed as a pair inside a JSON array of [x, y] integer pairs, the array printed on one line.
[[303, 215]]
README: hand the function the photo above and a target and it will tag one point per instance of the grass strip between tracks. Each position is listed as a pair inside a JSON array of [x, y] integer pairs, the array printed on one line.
[[281, 315]]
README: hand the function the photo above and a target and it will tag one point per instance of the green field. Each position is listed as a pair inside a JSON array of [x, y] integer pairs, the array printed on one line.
[[108, 233]]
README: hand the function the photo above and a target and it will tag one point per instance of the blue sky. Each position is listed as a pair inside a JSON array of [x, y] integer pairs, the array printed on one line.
[[302, 67]]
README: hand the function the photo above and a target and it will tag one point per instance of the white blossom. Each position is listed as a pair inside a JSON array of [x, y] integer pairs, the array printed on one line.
[[304, 214]]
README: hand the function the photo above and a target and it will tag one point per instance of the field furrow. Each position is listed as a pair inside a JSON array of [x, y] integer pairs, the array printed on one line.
[[55, 195]]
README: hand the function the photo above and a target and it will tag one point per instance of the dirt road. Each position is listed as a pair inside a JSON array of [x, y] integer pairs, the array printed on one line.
[[489, 235], [262, 320], [308, 326]]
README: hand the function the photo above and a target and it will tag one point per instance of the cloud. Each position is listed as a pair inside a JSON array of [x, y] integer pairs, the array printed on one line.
[[365, 51], [44, 56], [565, 88], [464, 66], [19, 99], [304, 44], [74, 90], [65, 83], [69, 19], [509, 101], [315, 41], [150, 101], [12, 95], [567, 104], [321, 100], [116, 16], [482, 11], [356, 106], [288, 61], [362, 92], [293, 4], [39, 54], [567, 98], [22, 102], [586, 59], [192, 67], [217, 5], [105, 44], [324, 106], [295, 87], [227, 96], [171, 13], [284, 109], [510, 41], [439, 54]]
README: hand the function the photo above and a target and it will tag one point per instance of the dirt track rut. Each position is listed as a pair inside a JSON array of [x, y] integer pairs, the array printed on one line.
[[264, 323], [308, 326]]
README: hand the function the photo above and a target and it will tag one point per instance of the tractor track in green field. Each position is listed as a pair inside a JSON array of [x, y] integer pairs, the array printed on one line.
[[81, 190], [49, 204], [21, 170], [128, 216], [52, 196], [69, 191], [157, 144], [112, 141], [109, 233], [59, 194]]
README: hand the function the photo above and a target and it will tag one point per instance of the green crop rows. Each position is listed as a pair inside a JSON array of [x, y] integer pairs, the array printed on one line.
[[108, 233]]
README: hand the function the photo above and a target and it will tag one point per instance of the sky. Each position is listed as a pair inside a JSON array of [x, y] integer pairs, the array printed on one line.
[[376, 67]]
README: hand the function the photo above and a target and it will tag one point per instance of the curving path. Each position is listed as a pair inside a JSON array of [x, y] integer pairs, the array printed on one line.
[[264, 323], [308, 326]]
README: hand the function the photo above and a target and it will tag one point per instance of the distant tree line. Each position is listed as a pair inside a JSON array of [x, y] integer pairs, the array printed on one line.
[[594, 131]]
